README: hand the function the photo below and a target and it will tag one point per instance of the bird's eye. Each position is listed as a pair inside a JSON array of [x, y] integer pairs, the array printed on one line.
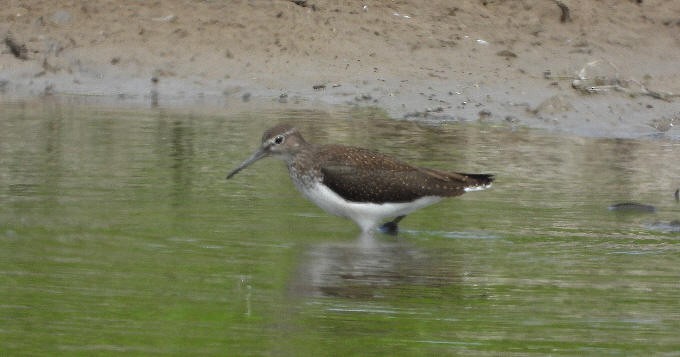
[[278, 139]]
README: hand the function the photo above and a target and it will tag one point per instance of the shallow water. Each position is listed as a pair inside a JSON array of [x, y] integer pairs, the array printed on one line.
[[119, 233]]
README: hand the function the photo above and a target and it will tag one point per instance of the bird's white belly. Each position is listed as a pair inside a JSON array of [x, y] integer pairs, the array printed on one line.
[[366, 215]]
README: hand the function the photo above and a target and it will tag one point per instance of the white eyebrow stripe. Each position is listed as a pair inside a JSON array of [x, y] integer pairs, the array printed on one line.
[[289, 132]]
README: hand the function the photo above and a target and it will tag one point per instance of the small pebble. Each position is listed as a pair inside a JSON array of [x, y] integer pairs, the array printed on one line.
[[632, 207]]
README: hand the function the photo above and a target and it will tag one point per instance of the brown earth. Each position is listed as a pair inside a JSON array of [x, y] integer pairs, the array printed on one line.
[[505, 61]]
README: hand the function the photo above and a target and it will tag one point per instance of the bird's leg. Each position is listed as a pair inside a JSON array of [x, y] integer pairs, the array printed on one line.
[[391, 227]]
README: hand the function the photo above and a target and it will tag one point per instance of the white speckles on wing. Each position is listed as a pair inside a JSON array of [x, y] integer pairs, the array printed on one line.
[[477, 188]]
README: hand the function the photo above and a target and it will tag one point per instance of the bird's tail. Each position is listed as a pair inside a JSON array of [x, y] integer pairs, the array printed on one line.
[[468, 182], [477, 182]]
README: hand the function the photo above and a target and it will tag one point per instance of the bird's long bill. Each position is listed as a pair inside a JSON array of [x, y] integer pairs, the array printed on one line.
[[256, 156]]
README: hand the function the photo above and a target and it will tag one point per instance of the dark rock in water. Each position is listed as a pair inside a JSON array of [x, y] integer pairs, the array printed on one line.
[[632, 207], [671, 227]]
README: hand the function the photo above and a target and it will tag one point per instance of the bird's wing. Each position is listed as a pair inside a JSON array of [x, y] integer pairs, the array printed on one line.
[[361, 175]]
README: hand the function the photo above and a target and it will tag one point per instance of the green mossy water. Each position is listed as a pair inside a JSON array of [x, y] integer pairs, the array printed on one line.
[[119, 233]]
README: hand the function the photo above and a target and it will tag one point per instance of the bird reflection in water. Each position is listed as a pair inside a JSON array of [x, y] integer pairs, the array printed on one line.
[[370, 267]]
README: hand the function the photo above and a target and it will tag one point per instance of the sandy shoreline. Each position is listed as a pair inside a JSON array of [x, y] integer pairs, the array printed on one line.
[[510, 62]]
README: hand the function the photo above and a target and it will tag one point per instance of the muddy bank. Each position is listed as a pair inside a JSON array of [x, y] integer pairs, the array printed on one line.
[[590, 68]]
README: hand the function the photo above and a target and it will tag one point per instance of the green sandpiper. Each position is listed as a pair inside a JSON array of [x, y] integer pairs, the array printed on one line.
[[362, 185]]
